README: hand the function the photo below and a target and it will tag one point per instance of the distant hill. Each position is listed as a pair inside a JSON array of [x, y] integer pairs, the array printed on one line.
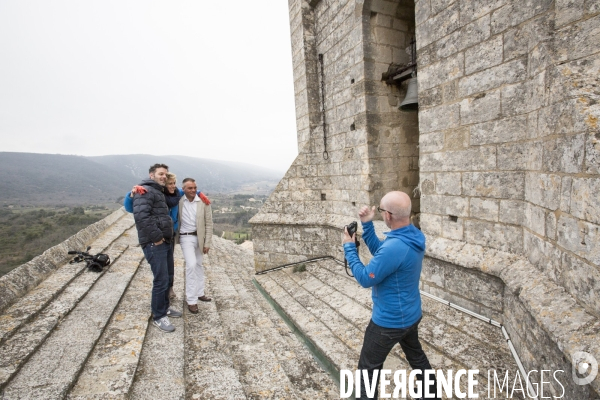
[[54, 179]]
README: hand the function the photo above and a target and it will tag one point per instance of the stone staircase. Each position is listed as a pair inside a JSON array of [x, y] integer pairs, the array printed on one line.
[[82, 335], [332, 311], [85, 335]]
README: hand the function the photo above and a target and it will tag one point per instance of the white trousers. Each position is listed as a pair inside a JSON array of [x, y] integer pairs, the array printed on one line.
[[194, 271]]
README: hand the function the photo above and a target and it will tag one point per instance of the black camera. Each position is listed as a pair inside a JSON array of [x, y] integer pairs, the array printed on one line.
[[352, 227]]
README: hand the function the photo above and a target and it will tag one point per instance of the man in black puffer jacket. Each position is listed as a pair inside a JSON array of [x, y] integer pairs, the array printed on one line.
[[155, 232]]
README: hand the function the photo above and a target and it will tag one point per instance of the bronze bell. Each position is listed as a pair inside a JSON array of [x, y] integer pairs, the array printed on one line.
[[410, 102]]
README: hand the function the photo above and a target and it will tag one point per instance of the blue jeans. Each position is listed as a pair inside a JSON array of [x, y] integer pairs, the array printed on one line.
[[378, 343], [171, 263], [158, 258]]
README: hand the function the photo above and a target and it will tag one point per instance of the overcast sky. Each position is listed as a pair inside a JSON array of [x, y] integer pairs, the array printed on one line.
[[208, 79]]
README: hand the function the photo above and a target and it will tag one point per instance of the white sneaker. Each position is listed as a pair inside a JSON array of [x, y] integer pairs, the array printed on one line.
[[164, 324]]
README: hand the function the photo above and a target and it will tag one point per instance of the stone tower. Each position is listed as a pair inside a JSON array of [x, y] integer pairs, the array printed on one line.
[[502, 159]]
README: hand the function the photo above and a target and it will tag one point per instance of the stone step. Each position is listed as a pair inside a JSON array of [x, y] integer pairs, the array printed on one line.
[[54, 367], [307, 379], [160, 374], [210, 371], [325, 297], [109, 371], [30, 305], [31, 329]]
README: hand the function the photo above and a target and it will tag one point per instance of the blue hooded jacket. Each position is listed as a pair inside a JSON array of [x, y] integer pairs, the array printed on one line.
[[393, 274]]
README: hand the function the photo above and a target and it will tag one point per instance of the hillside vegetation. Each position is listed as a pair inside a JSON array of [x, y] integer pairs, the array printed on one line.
[[63, 180], [25, 233]]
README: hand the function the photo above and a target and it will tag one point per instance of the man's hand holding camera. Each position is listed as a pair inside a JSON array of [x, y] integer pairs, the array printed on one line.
[[366, 214]]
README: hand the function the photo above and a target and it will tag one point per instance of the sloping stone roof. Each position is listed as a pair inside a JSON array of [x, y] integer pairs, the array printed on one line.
[[80, 334]]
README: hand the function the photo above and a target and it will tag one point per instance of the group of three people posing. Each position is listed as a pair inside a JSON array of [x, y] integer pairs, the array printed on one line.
[[165, 215]]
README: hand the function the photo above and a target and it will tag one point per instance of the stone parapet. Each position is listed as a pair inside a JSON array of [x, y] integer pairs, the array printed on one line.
[[25, 277], [541, 316]]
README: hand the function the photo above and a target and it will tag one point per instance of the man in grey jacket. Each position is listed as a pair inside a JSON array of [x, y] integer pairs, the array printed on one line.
[[155, 232], [195, 237]]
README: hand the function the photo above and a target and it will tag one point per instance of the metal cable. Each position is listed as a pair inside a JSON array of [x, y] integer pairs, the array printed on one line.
[[325, 153]]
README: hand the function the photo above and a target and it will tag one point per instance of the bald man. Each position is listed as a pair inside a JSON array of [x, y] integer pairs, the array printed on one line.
[[393, 273]]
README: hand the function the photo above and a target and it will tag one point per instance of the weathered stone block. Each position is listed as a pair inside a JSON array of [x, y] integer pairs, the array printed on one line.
[[499, 131], [433, 272], [438, 26], [516, 12], [448, 183], [592, 153], [422, 11], [390, 37], [568, 11], [524, 97], [585, 199], [551, 225], [534, 158], [509, 72], [481, 108], [484, 55], [535, 218], [456, 139], [484, 209], [520, 40], [498, 236], [582, 281], [430, 224], [452, 229], [499, 185], [477, 158], [561, 119], [429, 120], [512, 212], [514, 157], [580, 237], [430, 98], [446, 205], [532, 125], [543, 190], [467, 36], [484, 289], [578, 40], [540, 58], [442, 71], [564, 154], [431, 142], [472, 9], [565, 194]]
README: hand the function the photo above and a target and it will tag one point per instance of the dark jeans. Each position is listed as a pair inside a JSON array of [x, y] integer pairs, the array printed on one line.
[[377, 345], [158, 258], [171, 264]]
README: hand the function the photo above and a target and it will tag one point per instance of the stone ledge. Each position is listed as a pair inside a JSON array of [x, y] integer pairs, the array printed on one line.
[[553, 309], [334, 221], [23, 278]]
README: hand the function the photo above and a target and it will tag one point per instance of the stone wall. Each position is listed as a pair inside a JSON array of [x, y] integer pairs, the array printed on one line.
[[366, 146], [509, 144], [505, 150]]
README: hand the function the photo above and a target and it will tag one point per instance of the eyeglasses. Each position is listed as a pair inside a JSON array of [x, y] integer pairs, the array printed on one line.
[[382, 210]]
